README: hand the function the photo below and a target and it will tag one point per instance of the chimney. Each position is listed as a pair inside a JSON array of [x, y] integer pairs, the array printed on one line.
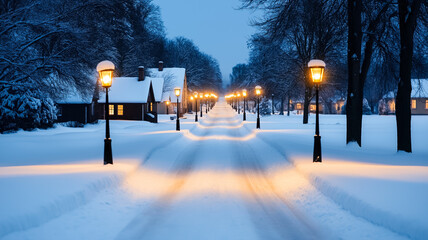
[[160, 66], [141, 73]]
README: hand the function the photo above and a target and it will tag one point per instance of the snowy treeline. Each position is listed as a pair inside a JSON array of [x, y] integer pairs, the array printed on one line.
[[370, 47], [49, 45], [293, 32]]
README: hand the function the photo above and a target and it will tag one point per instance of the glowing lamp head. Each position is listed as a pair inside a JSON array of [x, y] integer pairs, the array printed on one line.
[[244, 92], [201, 95], [258, 90], [105, 69], [177, 91], [195, 94], [168, 102], [207, 95], [191, 98], [238, 94], [317, 70]]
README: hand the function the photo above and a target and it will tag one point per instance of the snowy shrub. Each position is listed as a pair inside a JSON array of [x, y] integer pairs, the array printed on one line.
[[366, 108], [265, 107], [72, 124], [26, 109]]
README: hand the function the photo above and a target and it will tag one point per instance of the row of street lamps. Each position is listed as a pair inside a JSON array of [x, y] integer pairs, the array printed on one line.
[[106, 69], [237, 97], [316, 68], [209, 97]]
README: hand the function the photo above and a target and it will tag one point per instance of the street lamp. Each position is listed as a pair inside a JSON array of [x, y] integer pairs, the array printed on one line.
[[195, 94], [244, 94], [206, 102], [317, 71], [258, 92], [177, 92], [201, 96], [238, 100], [167, 106], [105, 70]]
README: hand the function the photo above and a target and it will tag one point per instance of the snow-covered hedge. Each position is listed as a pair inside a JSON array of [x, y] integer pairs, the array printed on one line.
[[26, 109]]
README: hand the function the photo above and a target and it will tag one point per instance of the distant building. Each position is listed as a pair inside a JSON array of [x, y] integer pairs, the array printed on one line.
[[173, 77], [418, 103]]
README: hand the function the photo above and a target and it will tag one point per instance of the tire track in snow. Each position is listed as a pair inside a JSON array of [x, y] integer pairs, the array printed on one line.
[[145, 223], [268, 208]]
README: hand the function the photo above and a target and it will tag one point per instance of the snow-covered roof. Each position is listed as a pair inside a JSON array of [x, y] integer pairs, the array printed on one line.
[[129, 90], [73, 96], [316, 63], [157, 84], [419, 88], [173, 77]]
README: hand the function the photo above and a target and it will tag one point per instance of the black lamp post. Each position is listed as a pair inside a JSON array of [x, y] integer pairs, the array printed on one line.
[[206, 102], [201, 96], [167, 106], [105, 69], [177, 92], [258, 92], [195, 94], [244, 94], [317, 70], [238, 100]]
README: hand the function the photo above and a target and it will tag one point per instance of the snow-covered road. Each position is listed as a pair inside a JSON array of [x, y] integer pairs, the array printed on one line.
[[218, 179], [221, 189]]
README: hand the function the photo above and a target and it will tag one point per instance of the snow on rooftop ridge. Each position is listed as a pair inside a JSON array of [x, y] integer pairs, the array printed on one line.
[[316, 63], [105, 65], [157, 84], [127, 90]]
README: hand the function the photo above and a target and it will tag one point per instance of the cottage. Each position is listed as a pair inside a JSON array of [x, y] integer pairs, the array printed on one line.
[[299, 104], [75, 106], [418, 103], [173, 77], [133, 98]]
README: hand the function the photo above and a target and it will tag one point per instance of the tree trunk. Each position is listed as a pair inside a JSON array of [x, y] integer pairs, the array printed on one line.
[[408, 12], [354, 104], [282, 106]]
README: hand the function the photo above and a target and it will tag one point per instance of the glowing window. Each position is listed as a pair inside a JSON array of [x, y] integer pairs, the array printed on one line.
[[312, 107], [392, 106], [299, 106], [426, 104], [120, 110], [413, 104], [151, 107], [110, 109]]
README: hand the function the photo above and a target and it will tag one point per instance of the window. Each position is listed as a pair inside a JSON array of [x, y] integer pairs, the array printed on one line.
[[151, 106], [392, 106], [413, 104], [426, 104], [299, 106], [120, 110], [110, 109], [312, 107]]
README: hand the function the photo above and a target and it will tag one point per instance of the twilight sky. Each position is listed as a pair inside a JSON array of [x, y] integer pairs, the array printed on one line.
[[214, 26]]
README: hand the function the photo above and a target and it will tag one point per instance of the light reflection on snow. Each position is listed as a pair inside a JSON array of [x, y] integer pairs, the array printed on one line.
[[91, 167], [148, 183]]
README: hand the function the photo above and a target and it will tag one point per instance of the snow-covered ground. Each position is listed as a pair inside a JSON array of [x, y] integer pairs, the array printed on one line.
[[216, 179]]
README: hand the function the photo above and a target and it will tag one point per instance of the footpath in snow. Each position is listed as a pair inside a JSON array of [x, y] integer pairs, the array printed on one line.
[[216, 179]]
